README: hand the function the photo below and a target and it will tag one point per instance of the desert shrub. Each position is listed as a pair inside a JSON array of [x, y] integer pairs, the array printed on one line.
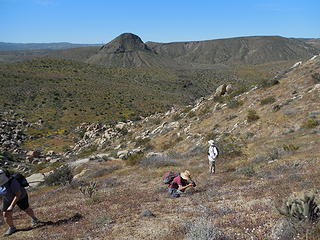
[[247, 171], [230, 117], [191, 114], [141, 141], [252, 116], [204, 111], [176, 117], [239, 90], [268, 83], [102, 220], [229, 147], [290, 147], [233, 103], [155, 121], [310, 123], [88, 151], [158, 160], [134, 159], [186, 109], [202, 229], [219, 99], [60, 176], [301, 207], [316, 77], [267, 100], [89, 190]]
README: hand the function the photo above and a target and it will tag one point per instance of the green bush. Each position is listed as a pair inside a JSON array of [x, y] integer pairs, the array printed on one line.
[[301, 207], [290, 147], [201, 229], [267, 100], [89, 190], [310, 123], [88, 151], [252, 116], [134, 159], [60, 176], [233, 103], [316, 77], [176, 117], [141, 142]]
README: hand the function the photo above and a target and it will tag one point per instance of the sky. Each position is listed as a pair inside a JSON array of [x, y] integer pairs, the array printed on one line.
[[99, 21]]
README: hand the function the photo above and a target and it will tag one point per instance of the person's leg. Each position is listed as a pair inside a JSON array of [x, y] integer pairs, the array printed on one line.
[[7, 215], [210, 167], [214, 167], [173, 192], [24, 205]]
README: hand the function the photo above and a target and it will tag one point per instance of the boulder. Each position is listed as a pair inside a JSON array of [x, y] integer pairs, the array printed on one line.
[[35, 179], [33, 154], [229, 89], [221, 90], [146, 213]]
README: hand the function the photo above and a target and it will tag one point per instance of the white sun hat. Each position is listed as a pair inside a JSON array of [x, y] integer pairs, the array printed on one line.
[[211, 142]]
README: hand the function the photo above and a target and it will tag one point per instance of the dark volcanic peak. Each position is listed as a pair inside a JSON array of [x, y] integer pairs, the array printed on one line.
[[125, 42]]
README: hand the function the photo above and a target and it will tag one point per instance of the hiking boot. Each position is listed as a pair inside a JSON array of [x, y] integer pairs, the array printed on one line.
[[34, 222], [10, 231]]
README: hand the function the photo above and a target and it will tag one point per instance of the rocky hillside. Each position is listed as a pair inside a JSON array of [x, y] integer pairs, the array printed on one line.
[[128, 50], [269, 143], [250, 50]]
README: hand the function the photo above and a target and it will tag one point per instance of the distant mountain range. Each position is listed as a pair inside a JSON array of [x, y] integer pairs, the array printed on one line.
[[128, 50], [36, 46]]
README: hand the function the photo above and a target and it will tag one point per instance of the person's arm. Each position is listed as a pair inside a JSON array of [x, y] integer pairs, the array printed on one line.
[[182, 188], [14, 201]]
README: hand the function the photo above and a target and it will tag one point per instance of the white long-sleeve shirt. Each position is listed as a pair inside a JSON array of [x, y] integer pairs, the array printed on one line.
[[213, 153]]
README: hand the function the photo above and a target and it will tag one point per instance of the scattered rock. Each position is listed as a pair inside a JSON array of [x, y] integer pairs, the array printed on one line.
[[221, 90], [36, 179], [146, 213], [283, 230]]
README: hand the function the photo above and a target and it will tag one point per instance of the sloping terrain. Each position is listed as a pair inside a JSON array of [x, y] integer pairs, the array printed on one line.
[[269, 141], [128, 50], [250, 50]]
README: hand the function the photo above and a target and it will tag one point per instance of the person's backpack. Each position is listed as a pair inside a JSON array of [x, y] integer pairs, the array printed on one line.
[[17, 176], [169, 176], [217, 150]]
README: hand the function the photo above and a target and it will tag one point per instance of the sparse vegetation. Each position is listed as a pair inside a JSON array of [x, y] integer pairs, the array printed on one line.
[[310, 123], [301, 207], [316, 77], [267, 100], [60, 176], [252, 116], [233, 103], [89, 190], [134, 159], [202, 229]]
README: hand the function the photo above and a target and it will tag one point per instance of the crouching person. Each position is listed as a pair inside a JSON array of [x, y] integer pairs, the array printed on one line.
[[13, 194], [180, 183]]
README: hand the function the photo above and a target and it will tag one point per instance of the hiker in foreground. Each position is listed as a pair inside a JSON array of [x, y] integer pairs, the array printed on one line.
[[212, 156], [178, 183], [13, 193]]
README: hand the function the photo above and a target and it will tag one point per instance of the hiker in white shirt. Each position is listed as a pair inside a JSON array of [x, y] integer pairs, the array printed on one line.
[[212, 156]]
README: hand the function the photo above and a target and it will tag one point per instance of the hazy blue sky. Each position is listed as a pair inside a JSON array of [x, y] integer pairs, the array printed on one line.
[[99, 21]]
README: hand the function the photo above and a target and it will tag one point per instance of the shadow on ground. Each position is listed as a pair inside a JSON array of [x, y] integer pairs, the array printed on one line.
[[74, 218]]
